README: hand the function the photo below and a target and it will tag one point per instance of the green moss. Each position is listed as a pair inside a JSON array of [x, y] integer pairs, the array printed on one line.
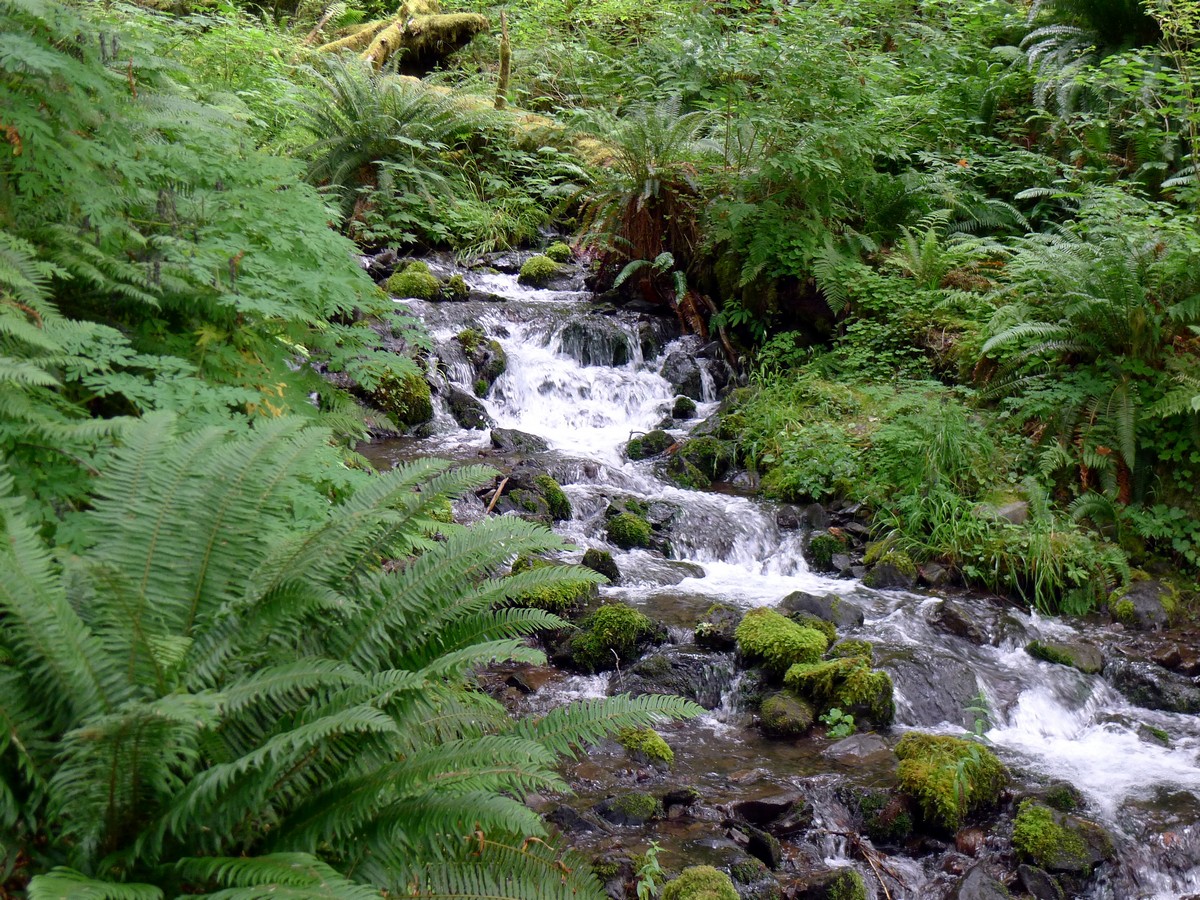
[[948, 777], [604, 869], [783, 714], [847, 683], [1038, 837], [614, 628], [684, 408], [1042, 651], [481, 388], [847, 886], [456, 288], [684, 474], [406, 399], [900, 560], [637, 805], [777, 642], [884, 817], [808, 620], [852, 647], [555, 598], [700, 883], [748, 870], [627, 530], [822, 548], [414, 280], [559, 252], [1123, 612], [471, 339], [711, 456], [537, 271], [443, 513], [648, 743], [1159, 734], [556, 499], [650, 444]]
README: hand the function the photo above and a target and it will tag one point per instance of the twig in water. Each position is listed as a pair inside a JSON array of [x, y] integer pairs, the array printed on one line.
[[496, 496]]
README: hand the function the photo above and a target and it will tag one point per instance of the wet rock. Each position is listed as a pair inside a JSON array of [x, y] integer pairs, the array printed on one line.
[[885, 817], [602, 561], [820, 549], [1147, 685], [829, 607], [784, 715], [765, 811], [756, 842], [752, 879], [842, 565], [680, 471], [954, 619], [634, 808], [935, 575], [596, 342], [682, 370], [614, 633], [859, 750], [894, 571], [1039, 883], [652, 443], [1059, 842], [1060, 795], [969, 841], [979, 885], [830, 884], [684, 798], [684, 408], [467, 411], [1143, 606], [1079, 655], [715, 631], [509, 440], [710, 455], [1178, 656], [678, 671], [933, 688], [570, 821]]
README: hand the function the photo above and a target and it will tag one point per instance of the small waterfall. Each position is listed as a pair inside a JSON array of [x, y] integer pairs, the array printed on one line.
[[586, 379]]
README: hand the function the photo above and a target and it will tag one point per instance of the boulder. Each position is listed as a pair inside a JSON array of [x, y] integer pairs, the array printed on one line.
[[1058, 841], [1143, 606], [756, 842], [784, 715], [764, 812], [1079, 655], [892, 571], [509, 440], [675, 670], [682, 371], [467, 411], [829, 607], [1150, 686], [953, 618], [1039, 883], [716, 631], [634, 808], [977, 884], [601, 561], [858, 750]]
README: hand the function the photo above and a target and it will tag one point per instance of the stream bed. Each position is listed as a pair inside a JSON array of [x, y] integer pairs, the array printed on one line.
[[585, 377]]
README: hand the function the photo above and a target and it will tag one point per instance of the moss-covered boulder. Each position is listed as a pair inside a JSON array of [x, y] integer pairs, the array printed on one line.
[[1057, 841], [1144, 605], [601, 561], [538, 271], [652, 443], [822, 547], [1086, 658], [414, 281], [682, 473], [467, 411], [710, 455], [557, 598], [893, 570], [486, 357], [634, 808], [700, 883], [628, 530], [767, 637], [615, 632], [847, 683], [683, 408], [884, 816], [715, 631], [556, 498], [852, 647], [834, 609], [948, 777], [455, 289], [406, 399], [784, 715], [559, 252], [645, 745]]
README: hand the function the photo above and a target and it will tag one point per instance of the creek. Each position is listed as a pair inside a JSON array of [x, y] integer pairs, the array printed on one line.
[[585, 377]]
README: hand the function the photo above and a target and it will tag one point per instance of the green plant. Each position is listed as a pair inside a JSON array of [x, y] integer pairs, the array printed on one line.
[[949, 777], [538, 270], [981, 715], [700, 883], [231, 640], [649, 873], [778, 643], [840, 724]]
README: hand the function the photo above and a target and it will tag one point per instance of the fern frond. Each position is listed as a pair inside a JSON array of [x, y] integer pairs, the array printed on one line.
[[568, 730], [298, 875]]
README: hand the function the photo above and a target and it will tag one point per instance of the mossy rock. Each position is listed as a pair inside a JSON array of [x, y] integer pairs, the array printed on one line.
[[556, 498], [948, 777], [652, 443], [646, 745], [634, 808], [1084, 657], [406, 399], [559, 252], [822, 548], [710, 455], [414, 281], [555, 598], [785, 715], [700, 883], [885, 816], [846, 885], [847, 683], [487, 358], [777, 642], [852, 647], [1058, 842], [537, 271], [716, 630], [627, 531], [456, 289], [894, 570], [684, 408], [601, 561], [613, 632], [686, 475], [808, 620]]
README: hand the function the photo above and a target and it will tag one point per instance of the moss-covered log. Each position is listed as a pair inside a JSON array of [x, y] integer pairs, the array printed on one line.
[[419, 32]]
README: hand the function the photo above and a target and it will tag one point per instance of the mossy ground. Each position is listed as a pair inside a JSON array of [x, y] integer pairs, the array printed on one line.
[[949, 777], [766, 636]]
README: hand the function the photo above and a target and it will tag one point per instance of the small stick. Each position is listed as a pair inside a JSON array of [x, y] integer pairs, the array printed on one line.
[[496, 496]]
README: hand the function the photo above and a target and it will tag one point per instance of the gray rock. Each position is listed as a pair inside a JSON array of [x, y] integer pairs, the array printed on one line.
[[977, 884], [1015, 513], [843, 565], [1147, 685], [762, 812], [757, 843], [931, 688], [679, 671], [467, 411], [934, 575], [509, 440], [1039, 883], [888, 576], [830, 607], [1141, 606], [682, 371], [858, 749], [1080, 655], [954, 619]]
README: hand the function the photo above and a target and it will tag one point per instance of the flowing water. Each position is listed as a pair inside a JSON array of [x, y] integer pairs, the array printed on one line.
[[585, 378]]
